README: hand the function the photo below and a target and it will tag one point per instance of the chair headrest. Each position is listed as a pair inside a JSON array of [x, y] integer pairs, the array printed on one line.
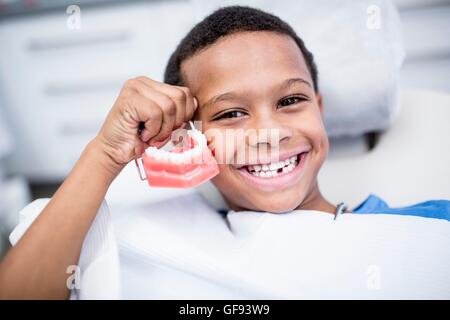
[[358, 49]]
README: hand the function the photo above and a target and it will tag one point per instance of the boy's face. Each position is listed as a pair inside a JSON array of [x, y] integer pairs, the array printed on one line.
[[257, 85]]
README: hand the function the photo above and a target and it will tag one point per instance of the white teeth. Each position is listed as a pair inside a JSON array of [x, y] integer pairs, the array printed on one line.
[[175, 157], [279, 165], [198, 137], [151, 151], [271, 170], [273, 166], [160, 156], [157, 155], [288, 169], [184, 157]]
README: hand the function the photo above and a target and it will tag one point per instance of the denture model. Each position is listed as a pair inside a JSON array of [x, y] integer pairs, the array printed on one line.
[[184, 166]]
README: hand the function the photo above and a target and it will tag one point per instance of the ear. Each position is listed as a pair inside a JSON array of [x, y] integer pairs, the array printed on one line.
[[320, 102]]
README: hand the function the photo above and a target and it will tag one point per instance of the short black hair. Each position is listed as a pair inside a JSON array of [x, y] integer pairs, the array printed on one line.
[[226, 21]]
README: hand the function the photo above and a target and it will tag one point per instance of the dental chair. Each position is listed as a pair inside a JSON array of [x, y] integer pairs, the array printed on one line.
[[409, 164]]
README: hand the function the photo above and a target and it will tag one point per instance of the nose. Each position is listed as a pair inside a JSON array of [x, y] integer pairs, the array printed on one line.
[[269, 134]]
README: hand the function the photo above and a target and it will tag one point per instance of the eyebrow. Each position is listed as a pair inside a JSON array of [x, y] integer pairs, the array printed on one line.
[[290, 82], [224, 96], [230, 95]]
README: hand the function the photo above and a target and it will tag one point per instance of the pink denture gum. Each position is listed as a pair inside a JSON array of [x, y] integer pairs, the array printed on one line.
[[182, 167]]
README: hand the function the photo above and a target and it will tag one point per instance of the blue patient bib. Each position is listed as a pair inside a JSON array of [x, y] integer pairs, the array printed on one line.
[[438, 209]]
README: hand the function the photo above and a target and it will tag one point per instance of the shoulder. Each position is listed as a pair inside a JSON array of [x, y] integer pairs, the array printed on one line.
[[437, 209], [31, 211]]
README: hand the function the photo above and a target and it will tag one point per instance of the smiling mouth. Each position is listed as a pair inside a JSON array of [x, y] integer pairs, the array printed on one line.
[[275, 169]]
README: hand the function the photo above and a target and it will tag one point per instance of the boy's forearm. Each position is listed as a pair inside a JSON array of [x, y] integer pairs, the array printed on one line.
[[36, 266]]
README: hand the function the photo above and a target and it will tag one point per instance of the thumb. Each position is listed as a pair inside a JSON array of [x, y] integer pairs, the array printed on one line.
[[195, 103]]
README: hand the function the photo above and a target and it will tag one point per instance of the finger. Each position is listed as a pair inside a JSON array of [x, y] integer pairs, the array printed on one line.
[[159, 144], [140, 147], [168, 121], [146, 111], [146, 135], [196, 103], [165, 103], [191, 104], [177, 94]]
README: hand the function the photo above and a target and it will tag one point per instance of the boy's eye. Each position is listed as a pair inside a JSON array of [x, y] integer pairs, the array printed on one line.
[[230, 114], [290, 100]]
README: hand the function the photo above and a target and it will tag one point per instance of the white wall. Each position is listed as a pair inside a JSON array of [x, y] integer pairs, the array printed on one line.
[[426, 28], [59, 83]]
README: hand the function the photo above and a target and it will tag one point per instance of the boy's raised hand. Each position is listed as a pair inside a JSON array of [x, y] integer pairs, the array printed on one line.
[[55, 239], [156, 108]]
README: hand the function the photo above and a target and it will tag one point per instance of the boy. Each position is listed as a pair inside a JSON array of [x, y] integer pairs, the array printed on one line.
[[239, 68]]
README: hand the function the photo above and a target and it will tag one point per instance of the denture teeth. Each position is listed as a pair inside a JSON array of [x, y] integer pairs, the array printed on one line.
[[197, 150], [184, 157], [198, 137], [257, 168], [150, 150], [172, 157], [265, 167], [176, 158], [160, 156]]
